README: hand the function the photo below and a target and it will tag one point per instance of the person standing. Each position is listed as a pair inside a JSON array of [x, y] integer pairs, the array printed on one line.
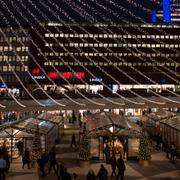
[[90, 175], [26, 159], [107, 153], [66, 175], [42, 162], [52, 158], [121, 168], [2, 168], [172, 151], [103, 173], [113, 164], [73, 140]]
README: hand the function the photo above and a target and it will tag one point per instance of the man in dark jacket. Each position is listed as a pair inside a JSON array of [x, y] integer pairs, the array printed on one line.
[[113, 164], [121, 168], [52, 158], [66, 175], [103, 173]]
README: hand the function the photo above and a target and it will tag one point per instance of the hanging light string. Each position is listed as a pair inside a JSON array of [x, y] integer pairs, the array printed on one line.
[[147, 33], [155, 61], [18, 57], [94, 102], [144, 76], [136, 93], [12, 95], [115, 67], [141, 42], [108, 87], [152, 91], [156, 82], [90, 100], [97, 66], [161, 31], [30, 55], [81, 28]]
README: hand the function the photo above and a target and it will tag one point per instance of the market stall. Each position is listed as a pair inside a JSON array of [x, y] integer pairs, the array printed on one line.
[[171, 131], [112, 130], [152, 120], [24, 130]]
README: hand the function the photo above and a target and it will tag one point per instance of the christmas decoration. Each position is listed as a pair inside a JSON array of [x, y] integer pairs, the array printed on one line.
[[36, 147], [84, 147], [144, 146]]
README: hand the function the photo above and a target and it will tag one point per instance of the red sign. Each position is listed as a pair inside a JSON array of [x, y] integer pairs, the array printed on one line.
[[36, 71]]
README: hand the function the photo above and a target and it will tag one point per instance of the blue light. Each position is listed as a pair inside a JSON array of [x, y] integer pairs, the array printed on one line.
[[153, 16], [166, 11]]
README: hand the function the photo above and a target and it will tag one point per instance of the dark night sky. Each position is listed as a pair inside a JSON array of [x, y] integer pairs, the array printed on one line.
[[62, 4]]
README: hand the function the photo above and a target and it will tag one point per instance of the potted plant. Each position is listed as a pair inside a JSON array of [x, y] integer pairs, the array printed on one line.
[[84, 148], [144, 149]]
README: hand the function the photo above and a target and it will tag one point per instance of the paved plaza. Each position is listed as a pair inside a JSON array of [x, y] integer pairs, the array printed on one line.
[[160, 168]]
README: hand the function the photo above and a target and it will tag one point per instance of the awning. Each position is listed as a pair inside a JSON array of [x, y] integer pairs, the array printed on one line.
[[53, 118], [44, 122], [173, 122], [160, 115], [108, 124]]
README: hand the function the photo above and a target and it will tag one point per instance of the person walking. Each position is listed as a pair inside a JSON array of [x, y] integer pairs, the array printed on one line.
[[113, 164], [107, 153], [26, 159], [2, 168], [42, 162], [172, 150], [52, 158], [60, 172], [73, 140], [103, 173], [66, 175], [121, 168], [90, 175]]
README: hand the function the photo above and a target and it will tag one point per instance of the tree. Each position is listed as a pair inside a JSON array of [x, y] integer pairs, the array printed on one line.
[[144, 146], [84, 146], [36, 146]]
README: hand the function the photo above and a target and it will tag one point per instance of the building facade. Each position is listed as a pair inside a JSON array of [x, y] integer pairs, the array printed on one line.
[[14, 47], [108, 52]]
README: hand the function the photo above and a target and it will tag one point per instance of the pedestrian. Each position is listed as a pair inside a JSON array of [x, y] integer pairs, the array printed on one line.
[[2, 168], [90, 175], [60, 172], [121, 168], [113, 164], [172, 151], [26, 159], [166, 148], [73, 140], [52, 158], [103, 173], [7, 159], [75, 176], [42, 162], [107, 153], [66, 175], [20, 147]]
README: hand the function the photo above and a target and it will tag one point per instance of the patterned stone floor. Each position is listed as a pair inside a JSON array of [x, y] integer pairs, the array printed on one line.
[[160, 168]]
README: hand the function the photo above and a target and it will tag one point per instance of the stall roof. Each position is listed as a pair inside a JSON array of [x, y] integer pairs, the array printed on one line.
[[29, 125], [172, 122], [44, 122], [160, 115], [53, 118], [7, 133], [106, 124]]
